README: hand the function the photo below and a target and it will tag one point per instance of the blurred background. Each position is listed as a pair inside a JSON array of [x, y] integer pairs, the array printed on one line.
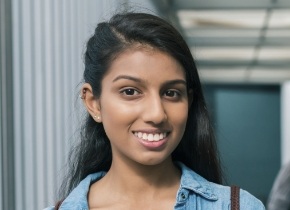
[[242, 50]]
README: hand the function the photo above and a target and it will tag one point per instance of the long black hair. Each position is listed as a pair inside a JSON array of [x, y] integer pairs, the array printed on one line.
[[197, 148]]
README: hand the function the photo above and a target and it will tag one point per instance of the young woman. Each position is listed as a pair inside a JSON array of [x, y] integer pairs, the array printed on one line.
[[147, 142]]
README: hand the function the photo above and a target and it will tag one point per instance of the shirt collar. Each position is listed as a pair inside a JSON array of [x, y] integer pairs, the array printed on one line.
[[77, 199], [190, 180], [194, 182]]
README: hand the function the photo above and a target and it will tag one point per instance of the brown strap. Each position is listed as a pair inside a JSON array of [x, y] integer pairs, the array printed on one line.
[[57, 205], [235, 198]]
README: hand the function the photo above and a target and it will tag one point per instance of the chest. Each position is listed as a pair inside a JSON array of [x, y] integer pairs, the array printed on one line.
[[185, 202]]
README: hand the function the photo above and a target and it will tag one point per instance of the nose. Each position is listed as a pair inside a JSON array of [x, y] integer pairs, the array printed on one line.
[[154, 111]]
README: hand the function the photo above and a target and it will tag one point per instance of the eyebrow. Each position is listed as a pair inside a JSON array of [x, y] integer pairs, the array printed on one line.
[[135, 79]]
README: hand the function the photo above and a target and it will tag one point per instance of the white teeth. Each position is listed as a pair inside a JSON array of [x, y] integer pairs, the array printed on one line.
[[139, 135], [156, 137], [150, 136]]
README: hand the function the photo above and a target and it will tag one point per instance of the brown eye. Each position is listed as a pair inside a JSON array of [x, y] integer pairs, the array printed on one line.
[[130, 92], [171, 93]]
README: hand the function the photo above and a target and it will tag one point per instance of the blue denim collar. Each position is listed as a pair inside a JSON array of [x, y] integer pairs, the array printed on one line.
[[194, 182], [77, 199], [190, 181]]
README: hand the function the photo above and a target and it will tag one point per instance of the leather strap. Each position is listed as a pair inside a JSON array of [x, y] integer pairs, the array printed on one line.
[[235, 198]]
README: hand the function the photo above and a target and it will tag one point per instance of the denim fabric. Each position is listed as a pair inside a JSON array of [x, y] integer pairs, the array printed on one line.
[[195, 193]]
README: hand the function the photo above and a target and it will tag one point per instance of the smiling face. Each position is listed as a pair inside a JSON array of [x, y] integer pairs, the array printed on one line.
[[143, 106]]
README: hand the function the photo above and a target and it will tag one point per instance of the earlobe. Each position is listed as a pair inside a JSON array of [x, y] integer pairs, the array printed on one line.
[[91, 103], [97, 118]]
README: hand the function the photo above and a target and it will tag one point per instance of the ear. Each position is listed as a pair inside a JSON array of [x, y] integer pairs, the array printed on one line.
[[91, 103]]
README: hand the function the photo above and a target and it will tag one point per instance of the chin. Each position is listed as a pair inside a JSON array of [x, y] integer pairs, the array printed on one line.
[[154, 161]]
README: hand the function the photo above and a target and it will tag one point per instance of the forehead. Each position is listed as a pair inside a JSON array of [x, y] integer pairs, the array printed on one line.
[[146, 62]]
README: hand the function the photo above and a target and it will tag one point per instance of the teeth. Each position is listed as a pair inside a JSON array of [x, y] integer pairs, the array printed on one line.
[[150, 136], [139, 134]]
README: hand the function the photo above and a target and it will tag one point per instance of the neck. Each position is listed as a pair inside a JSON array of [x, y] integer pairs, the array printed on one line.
[[135, 178]]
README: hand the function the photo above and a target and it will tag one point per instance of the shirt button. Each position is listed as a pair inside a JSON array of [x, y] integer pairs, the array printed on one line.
[[183, 196]]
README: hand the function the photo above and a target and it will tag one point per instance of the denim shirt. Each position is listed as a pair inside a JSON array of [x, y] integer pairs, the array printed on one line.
[[195, 193]]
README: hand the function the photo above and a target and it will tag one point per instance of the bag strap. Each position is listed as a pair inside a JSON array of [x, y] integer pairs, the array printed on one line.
[[235, 198]]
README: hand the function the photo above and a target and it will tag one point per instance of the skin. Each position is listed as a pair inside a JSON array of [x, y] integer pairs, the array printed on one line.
[[143, 91]]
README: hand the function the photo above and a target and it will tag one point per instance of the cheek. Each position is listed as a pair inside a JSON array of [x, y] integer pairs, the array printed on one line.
[[178, 112], [117, 113], [180, 118]]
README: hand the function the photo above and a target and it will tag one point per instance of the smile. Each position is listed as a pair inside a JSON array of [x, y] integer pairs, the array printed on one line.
[[150, 136]]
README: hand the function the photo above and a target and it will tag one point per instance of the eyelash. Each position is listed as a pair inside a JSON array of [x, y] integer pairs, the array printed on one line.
[[123, 91], [175, 92]]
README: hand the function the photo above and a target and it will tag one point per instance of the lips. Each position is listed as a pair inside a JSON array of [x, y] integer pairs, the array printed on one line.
[[152, 137]]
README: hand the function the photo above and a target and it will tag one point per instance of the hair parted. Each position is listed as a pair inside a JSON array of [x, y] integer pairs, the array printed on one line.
[[122, 32]]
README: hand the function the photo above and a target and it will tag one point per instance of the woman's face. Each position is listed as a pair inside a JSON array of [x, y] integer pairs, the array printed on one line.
[[144, 106]]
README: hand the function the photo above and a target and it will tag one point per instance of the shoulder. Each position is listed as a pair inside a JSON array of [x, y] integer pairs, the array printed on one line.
[[77, 199], [247, 200], [215, 195]]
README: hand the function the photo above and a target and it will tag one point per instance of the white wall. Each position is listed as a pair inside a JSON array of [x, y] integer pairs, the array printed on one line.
[[285, 124]]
